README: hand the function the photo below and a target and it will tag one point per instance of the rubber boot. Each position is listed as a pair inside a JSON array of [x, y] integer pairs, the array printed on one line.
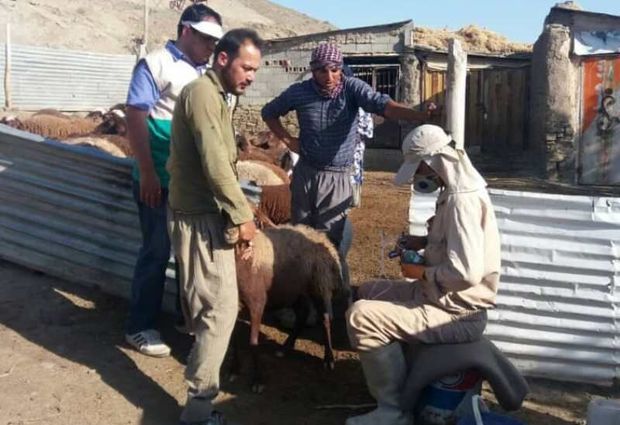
[[385, 371]]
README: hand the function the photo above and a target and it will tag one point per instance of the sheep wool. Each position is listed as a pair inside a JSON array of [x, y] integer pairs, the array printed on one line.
[[275, 203], [294, 260], [261, 172]]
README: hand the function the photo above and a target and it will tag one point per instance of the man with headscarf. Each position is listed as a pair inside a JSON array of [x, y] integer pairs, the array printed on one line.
[[327, 108], [453, 289]]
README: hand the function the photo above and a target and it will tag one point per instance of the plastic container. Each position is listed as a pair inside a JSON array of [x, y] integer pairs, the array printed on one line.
[[603, 412], [485, 417], [439, 401], [409, 256]]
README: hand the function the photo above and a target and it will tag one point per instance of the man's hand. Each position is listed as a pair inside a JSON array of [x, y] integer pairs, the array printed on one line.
[[292, 143], [244, 248], [150, 189], [247, 231], [411, 242], [431, 109], [412, 271]]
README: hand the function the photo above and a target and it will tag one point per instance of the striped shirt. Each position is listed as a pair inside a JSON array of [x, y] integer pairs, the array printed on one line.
[[327, 127]]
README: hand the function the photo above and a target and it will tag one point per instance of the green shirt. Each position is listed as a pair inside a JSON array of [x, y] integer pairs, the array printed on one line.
[[203, 153], [159, 140]]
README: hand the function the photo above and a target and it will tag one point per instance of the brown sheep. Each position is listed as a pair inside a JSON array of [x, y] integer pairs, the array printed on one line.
[[291, 266], [55, 126], [265, 147], [275, 203]]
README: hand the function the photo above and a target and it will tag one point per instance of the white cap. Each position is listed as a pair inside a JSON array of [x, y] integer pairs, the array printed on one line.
[[212, 29], [420, 143]]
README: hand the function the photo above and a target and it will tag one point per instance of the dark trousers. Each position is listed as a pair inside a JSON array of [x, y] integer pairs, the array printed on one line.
[[321, 199], [147, 287]]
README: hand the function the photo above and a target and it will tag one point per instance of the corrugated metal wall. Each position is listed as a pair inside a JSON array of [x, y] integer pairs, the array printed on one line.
[[557, 313], [68, 211], [2, 67], [67, 80]]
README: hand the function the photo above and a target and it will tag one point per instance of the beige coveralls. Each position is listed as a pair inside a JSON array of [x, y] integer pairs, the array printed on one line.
[[460, 281]]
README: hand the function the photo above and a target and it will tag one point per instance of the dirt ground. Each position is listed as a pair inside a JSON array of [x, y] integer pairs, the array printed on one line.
[[63, 360]]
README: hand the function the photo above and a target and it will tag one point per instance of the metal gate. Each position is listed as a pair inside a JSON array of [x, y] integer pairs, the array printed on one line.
[[599, 153], [384, 79], [496, 106]]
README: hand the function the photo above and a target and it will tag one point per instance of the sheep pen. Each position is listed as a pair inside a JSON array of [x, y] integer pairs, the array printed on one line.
[[67, 346]]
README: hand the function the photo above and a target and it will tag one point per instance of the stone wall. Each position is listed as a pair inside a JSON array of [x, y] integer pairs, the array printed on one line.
[[556, 90], [554, 103], [247, 120]]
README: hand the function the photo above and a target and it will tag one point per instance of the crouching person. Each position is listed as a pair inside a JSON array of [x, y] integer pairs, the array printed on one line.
[[452, 290], [205, 199]]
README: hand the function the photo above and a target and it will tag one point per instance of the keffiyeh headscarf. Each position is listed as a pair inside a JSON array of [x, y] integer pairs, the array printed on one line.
[[323, 55]]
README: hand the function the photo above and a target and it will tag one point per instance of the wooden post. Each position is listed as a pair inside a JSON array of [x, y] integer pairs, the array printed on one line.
[[145, 36], [7, 67], [146, 22], [456, 87]]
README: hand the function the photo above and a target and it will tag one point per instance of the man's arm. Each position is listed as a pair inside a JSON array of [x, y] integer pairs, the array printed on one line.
[[398, 111], [372, 101], [271, 114], [138, 134], [276, 127], [143, 94]]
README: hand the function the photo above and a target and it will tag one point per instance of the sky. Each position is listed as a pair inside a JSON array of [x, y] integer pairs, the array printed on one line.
[[519, 20]]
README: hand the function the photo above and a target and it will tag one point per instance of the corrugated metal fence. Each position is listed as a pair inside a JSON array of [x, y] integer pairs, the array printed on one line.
[[557, 312], [2, 70], [68, 211], [66, 80]]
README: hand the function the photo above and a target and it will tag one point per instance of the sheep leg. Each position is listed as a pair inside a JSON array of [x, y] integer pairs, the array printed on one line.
[[256, 317], [302, 310], [235, 356], [324, 308]]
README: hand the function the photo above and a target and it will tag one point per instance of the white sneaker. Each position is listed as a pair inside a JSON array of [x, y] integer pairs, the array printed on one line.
[[148, 342]]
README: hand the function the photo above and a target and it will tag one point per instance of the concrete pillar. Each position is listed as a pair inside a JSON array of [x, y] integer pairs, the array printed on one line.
[[456, 86]]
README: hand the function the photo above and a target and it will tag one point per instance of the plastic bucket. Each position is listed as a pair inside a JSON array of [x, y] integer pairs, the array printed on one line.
[[485, 417], [438, 401]]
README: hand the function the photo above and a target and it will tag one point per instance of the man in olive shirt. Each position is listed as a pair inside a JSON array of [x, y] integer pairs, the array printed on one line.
[[205, 198]]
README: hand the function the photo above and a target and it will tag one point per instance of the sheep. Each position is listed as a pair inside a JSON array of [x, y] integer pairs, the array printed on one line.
[[291, 266], [262, 173], [55, 126], [112, 144], [275, 203], [265, 147]]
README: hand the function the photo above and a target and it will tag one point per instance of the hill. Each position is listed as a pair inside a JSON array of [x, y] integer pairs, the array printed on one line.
[[114, 26]]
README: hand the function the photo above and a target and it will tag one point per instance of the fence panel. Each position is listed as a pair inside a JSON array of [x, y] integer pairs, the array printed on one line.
[[67, 80], [557, 306]]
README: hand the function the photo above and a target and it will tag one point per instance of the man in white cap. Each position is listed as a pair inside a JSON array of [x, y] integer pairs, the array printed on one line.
[[155, 85], [452, 290]]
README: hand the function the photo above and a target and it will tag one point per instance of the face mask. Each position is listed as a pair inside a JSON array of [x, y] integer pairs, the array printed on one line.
[[425, 184]]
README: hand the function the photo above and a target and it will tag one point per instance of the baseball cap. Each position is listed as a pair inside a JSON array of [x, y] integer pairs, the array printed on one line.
[[194, 15], [211, 29], [420, 143]]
